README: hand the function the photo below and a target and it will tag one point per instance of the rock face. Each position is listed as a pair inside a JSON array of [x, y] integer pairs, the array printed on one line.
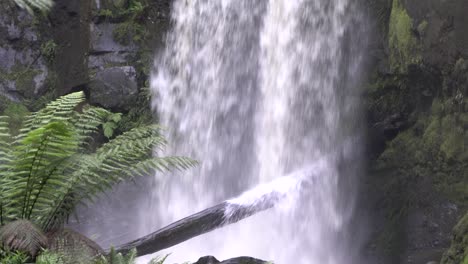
[[417, 108], [100, 46], [240, 260], [23, 70], [114, 87], [458, 251]]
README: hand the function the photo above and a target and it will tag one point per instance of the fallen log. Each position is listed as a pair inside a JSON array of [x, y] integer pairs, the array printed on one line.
[[251, 202], [197, 224]]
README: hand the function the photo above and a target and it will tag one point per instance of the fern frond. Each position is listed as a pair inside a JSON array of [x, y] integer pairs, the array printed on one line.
[[60, 110], [159, 260], [46, 172], [128, 155], [5, 140], [88, 121], [35, 179], [29, 5], [48, 257]]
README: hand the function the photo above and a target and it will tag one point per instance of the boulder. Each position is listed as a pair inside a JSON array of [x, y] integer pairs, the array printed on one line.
[[114, 87], [102, 40], [239, 260]]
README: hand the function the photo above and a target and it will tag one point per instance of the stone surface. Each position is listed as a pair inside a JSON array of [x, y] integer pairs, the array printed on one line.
[[239, 260], [102, 40], [114, 87], [416, 184], [442, 29], [23, 72], [69, 28]]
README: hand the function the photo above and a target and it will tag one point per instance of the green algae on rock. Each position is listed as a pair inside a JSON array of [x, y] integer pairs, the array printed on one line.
[[404, 47], [458, 251]]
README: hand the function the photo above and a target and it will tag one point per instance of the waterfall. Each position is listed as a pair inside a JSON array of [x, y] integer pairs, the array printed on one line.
[[254, 90]]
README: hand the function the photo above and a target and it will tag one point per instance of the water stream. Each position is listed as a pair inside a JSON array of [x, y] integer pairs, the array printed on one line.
[[255, 90]]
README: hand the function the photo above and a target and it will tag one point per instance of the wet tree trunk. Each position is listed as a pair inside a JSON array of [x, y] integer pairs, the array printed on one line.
[[197, 224]]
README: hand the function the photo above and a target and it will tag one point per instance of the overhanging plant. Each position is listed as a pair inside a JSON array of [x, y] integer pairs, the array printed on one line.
[[48, 169]]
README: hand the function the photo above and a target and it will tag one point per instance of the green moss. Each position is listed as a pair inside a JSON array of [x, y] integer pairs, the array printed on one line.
[[388, 95], [3, 103], [107, 13], [23, 77], [434, 148], [404, 47], [138, 115], [49, 50], [128, 32], [422, 27], [433, 151], [458, 251], [16, 112]]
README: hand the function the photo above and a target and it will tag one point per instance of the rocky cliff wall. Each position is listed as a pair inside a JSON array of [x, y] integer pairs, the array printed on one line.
[[104, 47], [417, 110]]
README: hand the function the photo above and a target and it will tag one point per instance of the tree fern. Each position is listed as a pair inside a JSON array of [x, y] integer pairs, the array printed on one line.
[[22, 235], [5, 160], [48, 168], [30, 5]]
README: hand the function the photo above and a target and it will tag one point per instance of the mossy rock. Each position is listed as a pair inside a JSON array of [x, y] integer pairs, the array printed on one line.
[[458, 251], [23, 76], [114, 5], [403, 44]]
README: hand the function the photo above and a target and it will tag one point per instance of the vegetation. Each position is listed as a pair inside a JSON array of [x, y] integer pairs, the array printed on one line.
[[49, 168], [458, 251], [130, 258], [48, 50], [403, 44], [13, 257], [30, 5], [131, 30]]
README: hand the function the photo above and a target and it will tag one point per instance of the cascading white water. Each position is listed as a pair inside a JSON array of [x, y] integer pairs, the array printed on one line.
[[256, 89]]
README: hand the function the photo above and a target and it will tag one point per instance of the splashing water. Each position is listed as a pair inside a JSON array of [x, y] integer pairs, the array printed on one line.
[[256, 90]]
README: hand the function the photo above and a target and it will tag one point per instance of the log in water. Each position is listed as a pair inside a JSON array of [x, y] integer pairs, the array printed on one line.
[[258, 199], [193, 225]]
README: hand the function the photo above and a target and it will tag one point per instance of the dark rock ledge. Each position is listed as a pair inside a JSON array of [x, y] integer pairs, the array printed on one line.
[[239, 260]]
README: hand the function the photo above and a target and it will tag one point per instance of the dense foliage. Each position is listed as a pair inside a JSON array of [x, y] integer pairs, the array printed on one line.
[[53, 165], [30, 5]]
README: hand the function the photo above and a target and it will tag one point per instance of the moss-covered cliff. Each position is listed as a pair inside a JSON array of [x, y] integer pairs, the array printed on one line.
[[102, 47], [418, 122], [458, 251]]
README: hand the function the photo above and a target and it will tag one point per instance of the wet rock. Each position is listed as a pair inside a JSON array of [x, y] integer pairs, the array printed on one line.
[[239, 260], [207, 260], [441, 29], [114, 87], [105, 50], [23, 73], [102, 40], [244, 260], [100, 62]]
